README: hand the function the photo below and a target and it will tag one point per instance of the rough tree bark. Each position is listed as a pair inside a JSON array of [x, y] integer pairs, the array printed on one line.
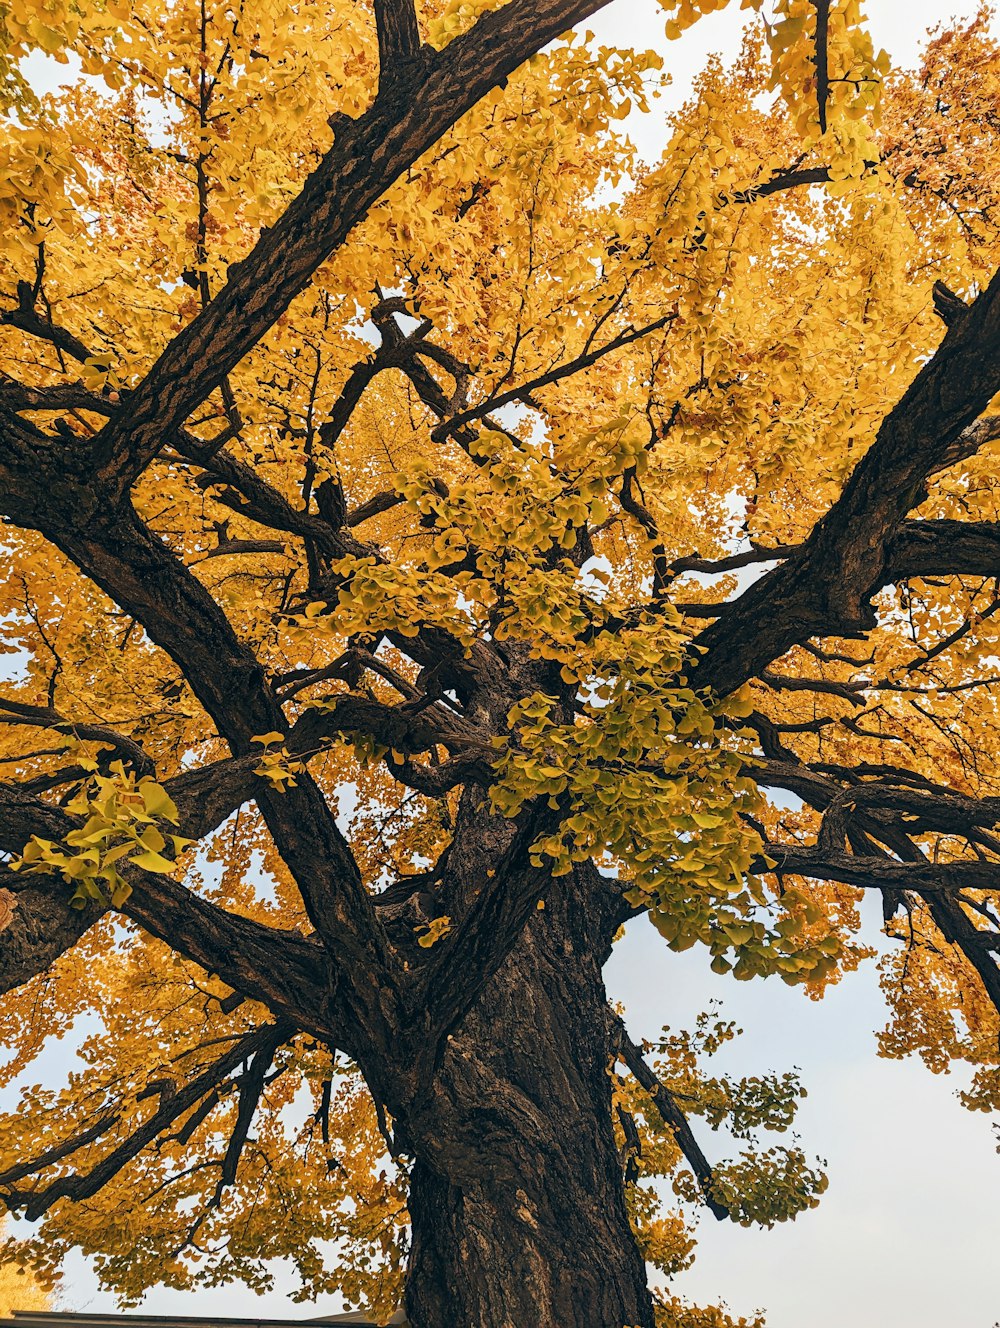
[[517, 1197]]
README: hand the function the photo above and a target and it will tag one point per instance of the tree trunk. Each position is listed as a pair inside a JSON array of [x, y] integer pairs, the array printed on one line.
[[517, 1199]]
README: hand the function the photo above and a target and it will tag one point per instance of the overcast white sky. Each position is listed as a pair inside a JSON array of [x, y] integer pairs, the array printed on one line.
[[907, 1232]]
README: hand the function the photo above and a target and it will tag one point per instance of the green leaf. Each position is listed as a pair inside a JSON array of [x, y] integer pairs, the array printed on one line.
[[157, 801]]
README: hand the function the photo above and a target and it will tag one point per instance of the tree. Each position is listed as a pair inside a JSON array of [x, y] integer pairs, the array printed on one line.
[[435, 540]]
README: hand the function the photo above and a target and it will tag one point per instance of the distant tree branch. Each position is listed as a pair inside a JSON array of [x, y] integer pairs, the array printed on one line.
[[19, 712], [451, 426], [877, 815], [251, 1090], [822, 59], [673, 1117], [34, 1202], [731, 562]]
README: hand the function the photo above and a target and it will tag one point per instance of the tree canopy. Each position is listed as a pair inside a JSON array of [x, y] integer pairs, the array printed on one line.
[[435, 537], [18, 1291]]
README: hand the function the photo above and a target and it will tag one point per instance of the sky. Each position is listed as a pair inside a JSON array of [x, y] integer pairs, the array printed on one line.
[[907, 1232]]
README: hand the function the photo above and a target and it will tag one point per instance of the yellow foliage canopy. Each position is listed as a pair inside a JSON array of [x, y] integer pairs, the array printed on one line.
[[18, 1290]]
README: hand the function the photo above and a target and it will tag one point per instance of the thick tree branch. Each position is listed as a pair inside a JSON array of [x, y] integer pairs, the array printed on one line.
[[282, 969], [398, 36], [825, 587], [16, 396], [369, 154], [464, 962], [879, 873], [42, 926], [947, 305], [26, 318], [409, 728], [943, 548], [140, 573]]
